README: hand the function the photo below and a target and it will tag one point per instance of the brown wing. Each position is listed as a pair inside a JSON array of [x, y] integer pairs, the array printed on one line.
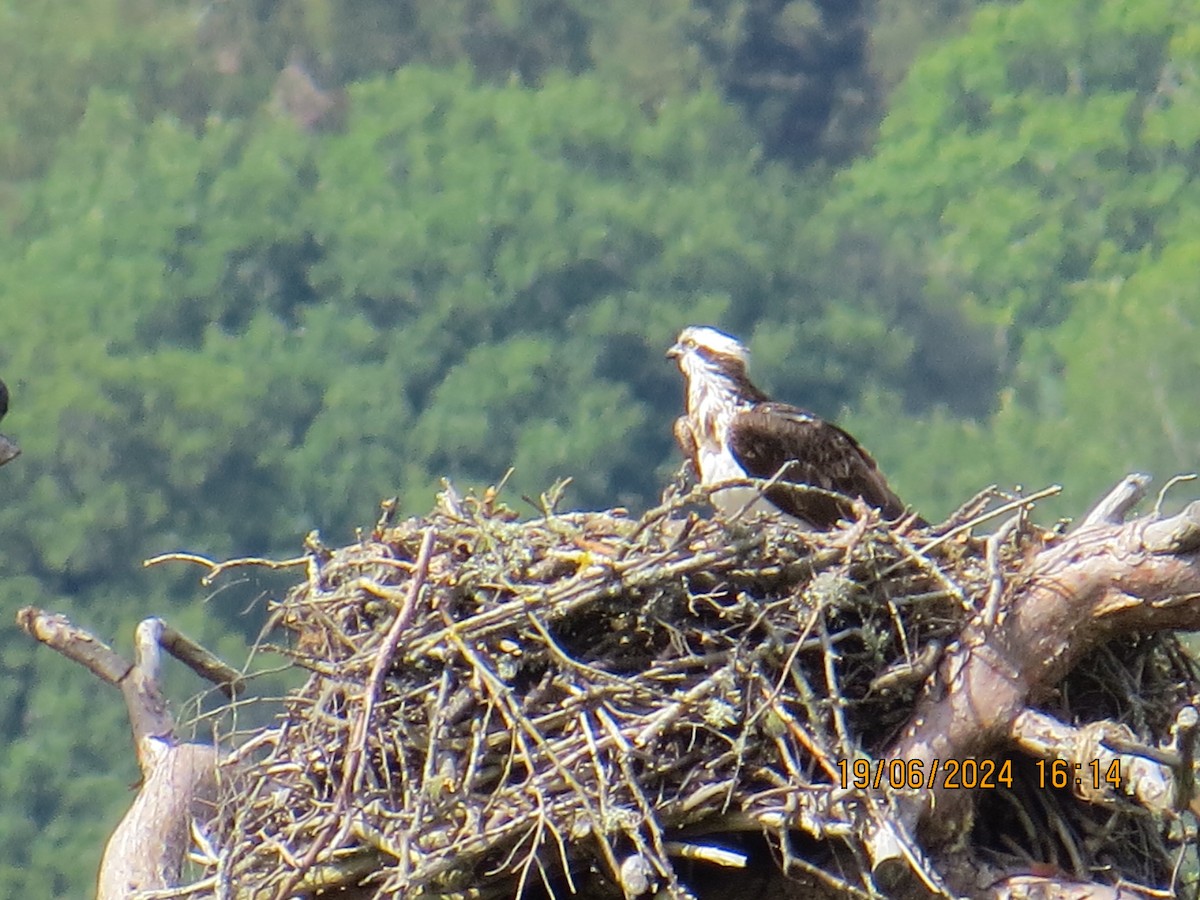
[[770, 435]]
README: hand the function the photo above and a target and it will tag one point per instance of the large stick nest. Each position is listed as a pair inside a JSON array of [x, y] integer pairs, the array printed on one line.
[[590, 703]]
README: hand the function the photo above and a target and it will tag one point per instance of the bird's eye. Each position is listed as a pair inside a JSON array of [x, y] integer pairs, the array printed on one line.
[[690, 343]]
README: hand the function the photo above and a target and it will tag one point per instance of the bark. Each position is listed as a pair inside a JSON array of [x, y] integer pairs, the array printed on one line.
[[1102, 581], [147, 849]]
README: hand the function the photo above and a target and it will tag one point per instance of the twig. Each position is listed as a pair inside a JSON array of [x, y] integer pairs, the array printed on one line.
[[991, 606], [1018, 503], [1162, 495], [353, 773], [717, 856], [760, 489], [216, 568]]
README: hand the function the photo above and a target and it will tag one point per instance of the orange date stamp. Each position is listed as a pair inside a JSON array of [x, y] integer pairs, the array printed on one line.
[[949, 774], [973, 774]]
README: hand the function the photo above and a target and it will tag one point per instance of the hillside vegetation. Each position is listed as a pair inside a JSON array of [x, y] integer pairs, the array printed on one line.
[[266, 264]]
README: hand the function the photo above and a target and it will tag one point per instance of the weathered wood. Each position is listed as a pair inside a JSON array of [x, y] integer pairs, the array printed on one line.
[[1117, 503], [1143, 778], [57, 632], [1101, 581], [147, 849], [179, 780], [204, 663]]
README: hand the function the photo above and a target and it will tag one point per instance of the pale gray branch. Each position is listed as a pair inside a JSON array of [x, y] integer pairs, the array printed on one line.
[[1178, 534], [1116, 505], [1089, 758], [147, 849], [1079, 591]]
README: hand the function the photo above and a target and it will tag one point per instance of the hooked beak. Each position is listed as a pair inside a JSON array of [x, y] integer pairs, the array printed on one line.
[[675, 352]]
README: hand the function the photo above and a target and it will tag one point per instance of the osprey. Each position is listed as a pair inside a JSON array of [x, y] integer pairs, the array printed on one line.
[[731, 429]]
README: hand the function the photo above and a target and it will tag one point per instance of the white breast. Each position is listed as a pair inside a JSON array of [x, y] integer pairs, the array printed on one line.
[[717, 465], [712, 402]]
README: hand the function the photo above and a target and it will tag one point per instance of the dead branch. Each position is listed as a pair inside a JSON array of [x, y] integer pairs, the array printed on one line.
[[1103, 580], [201, 661], [1117, 503], [216, 569], [56, 631], [179, 780], [1090, 755]]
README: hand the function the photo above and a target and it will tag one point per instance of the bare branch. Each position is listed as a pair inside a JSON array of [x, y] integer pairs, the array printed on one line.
[[1116, 505], [216, 568], [201, 661], [1090, 758], [1076, 593], [179, 781], [56, 631], [149, 717]]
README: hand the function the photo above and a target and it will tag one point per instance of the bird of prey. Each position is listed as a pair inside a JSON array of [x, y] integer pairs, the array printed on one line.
[[731, 429], [8, 450]]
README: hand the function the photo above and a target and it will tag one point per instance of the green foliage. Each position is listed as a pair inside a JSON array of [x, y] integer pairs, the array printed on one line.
[[51, 55], [1038, 182], [798, 69], [1014, 157], [208, 306]]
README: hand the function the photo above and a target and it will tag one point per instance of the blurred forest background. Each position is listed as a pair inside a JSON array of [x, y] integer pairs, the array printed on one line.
[[266, 263]]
